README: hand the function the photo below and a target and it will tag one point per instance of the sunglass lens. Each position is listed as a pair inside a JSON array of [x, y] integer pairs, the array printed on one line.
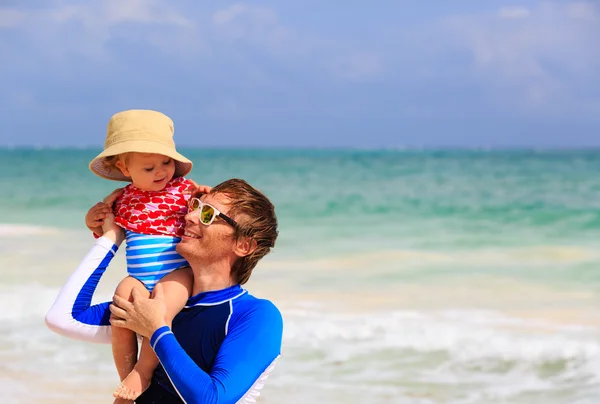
[[194, 204], [207, 214]]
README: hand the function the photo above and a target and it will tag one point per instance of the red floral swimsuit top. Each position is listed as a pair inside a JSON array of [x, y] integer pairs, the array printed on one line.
[[154, 212]]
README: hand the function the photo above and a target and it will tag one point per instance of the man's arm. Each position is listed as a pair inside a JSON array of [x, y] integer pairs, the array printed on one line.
[[245, 359], [72, 315]]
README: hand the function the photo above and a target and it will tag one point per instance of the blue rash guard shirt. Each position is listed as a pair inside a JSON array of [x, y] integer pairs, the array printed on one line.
[[220, 350]]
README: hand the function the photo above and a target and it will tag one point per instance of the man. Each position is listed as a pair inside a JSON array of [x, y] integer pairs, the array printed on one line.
[[225, 342]]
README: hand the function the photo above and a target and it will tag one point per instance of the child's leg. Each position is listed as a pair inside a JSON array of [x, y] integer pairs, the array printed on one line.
[[124, 341], [177, 287]]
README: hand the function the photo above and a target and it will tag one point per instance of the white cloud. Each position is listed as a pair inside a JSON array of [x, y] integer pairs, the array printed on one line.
[[513, 13], [252, 24], [528, 55], [259, 15], [537, 53], [104, 13], [144, 11], [262, 28], [519, 48], [59, 32]]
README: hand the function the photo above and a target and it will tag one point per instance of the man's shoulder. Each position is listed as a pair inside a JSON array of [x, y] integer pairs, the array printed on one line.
[[248, 304]]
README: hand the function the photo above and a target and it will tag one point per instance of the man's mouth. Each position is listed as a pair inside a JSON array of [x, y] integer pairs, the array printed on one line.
[[191, 235]]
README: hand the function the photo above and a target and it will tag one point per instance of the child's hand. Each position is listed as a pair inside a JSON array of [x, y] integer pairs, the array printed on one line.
[[95, 217], [197, 189], [202, 189]]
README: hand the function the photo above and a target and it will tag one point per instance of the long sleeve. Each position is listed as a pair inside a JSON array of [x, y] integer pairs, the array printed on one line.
[[244, 360], [72, 314]]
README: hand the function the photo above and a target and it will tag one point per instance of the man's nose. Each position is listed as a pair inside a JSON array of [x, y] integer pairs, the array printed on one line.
[[191, 217]]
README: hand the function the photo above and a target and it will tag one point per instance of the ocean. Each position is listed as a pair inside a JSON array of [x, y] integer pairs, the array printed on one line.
[[403, 276]]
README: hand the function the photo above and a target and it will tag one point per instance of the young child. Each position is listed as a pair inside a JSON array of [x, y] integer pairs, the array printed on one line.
[[139, 148]]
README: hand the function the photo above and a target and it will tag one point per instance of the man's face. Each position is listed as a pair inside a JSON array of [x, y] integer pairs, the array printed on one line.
[[206, 244]]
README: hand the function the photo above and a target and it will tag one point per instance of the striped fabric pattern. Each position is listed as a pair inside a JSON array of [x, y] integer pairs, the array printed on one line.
[[151, 257]]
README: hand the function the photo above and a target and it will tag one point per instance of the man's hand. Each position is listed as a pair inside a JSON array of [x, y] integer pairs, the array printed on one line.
[[142, 315]]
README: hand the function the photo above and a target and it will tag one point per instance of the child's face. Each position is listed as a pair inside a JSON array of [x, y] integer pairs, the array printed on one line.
[[148, 172]]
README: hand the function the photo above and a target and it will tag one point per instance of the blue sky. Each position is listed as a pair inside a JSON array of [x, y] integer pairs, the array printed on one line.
[[305, 73]]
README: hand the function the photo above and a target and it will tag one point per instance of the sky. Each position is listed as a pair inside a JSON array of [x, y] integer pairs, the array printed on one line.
[[304, 73]]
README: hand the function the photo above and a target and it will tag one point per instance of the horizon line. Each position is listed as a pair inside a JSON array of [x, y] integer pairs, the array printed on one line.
[[39, 147]]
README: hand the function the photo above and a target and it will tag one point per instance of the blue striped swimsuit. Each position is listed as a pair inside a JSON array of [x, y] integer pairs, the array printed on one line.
[[151, 257]]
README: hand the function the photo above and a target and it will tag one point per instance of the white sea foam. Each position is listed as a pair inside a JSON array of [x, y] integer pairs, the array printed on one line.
[[530, 256], [25, 302], [23, 230], [380, 354], [465, 335], [495, 356]]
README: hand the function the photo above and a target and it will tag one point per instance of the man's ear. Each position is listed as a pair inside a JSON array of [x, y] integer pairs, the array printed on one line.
[[123, 167], [244, 246]]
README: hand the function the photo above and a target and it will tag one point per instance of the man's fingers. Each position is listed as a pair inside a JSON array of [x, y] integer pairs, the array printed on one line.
[[122, 303], [158, 291], [117, 322], [135, 294], [117, 312]]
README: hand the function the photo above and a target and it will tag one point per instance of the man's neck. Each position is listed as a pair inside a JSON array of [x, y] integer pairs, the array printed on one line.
[[211, 278]]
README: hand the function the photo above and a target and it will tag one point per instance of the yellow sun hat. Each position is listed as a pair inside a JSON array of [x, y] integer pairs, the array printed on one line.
[[140, 131]]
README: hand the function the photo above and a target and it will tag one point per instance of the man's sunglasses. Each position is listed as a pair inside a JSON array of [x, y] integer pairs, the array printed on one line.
[[207, 213]]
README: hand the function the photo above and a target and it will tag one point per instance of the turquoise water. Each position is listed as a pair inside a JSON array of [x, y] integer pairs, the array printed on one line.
[[429, 276], [334, 202]]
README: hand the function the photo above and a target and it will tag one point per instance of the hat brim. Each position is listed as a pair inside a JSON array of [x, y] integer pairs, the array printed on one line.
[[182, 165]]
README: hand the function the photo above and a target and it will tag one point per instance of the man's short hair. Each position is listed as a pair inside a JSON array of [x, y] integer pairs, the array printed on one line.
[[255, 215]]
